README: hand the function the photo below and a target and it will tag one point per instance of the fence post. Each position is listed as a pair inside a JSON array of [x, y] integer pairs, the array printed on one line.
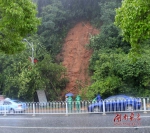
[[144, 104], [33, 109], [5, 110], [104, 113], [66, 107]]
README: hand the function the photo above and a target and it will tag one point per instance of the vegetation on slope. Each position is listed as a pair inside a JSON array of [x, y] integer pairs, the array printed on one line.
[[111, 69]]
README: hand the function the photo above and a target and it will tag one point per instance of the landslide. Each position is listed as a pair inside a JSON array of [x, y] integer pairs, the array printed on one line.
[[75, 56]]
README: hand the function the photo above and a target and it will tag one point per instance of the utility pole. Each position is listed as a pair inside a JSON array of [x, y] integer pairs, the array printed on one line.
[[32, 49]]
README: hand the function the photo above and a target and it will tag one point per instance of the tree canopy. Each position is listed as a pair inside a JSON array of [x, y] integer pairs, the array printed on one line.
[[19, 78], [17, 20], [111, 70], [133, 17]]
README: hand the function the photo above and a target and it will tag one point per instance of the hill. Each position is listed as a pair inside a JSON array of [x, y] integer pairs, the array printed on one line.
[[76, 55]]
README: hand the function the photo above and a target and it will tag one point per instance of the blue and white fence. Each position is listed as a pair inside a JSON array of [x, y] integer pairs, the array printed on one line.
[[63, 107]]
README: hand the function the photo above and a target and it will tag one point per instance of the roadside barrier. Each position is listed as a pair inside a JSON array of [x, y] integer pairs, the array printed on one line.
[[63, 107]]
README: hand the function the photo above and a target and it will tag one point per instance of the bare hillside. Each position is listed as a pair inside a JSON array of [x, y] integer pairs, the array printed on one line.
[[76, 56]]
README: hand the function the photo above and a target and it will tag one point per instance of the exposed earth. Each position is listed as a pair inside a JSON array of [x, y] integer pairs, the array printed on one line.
[[75, 56]]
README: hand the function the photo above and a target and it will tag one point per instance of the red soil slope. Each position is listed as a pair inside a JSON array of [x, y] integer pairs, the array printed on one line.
[[76, 56]]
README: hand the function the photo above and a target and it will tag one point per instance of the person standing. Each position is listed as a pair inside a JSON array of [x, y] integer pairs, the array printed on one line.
[[98, 97], [78, 106], [69, 100]]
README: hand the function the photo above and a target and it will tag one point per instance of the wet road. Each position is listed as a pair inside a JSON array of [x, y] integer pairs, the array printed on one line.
[[81, 123]]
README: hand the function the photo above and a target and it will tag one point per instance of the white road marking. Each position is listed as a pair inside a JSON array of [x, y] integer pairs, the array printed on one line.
[[72, 128], [144, 116], [20, 118]]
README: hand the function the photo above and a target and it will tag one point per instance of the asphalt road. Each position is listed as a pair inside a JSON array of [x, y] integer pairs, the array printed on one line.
[[81, 123]]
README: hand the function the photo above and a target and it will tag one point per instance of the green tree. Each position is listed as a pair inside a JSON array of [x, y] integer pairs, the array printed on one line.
[[115, 73], [19, 78], [133, 17], [18, 19], [54, 76], [60, 15], [109, 37], [53, 26], [105, 80], [107, 10]]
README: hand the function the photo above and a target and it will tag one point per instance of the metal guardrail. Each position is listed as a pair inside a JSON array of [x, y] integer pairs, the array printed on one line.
[[63, 107]]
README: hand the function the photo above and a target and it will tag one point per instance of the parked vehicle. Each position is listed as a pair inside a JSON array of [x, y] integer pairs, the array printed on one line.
[[12, 106], [116, 103]]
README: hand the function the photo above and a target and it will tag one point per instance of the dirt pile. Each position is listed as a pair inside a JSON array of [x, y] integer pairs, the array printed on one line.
[[76, 56]]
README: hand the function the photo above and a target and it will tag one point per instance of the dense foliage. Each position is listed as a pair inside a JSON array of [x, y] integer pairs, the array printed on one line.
[[60, 15], [133, 17], [111, 69], [114, 73], [20, 78], [18, 19]]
